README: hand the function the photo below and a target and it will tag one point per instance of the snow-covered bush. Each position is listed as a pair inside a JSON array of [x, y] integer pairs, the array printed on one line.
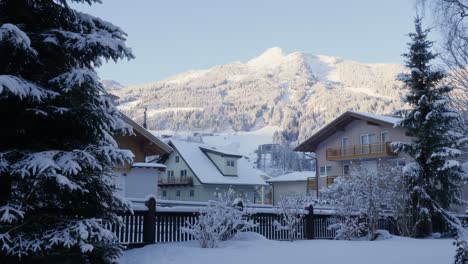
[[348, 227], [291, 210], [220, 220]]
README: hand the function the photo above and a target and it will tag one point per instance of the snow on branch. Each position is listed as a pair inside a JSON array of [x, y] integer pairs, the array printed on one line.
[[10, 213], [63, 165], [108, 46], [76, 78], [16, 37], [24, 89], [83, 233], [93, 22]]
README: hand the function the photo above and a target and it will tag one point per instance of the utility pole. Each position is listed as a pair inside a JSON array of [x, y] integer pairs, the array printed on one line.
[[145, 125]]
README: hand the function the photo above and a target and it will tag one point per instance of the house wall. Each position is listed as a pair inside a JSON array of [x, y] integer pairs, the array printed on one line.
[[203, 193], [141, 182], [171, 164], [296, 188], [353, 131]]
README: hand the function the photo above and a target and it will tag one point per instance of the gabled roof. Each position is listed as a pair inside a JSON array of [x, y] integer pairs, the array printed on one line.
[[293, 176], [310, 144], [153, 145], [206, 171]]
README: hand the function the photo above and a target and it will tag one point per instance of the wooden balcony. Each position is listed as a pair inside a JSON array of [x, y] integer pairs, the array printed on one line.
[[165, 182], [376, 150], [311, 184], [331, 179]]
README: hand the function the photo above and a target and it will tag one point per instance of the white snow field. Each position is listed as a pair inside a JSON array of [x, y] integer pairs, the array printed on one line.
[[251, 248]]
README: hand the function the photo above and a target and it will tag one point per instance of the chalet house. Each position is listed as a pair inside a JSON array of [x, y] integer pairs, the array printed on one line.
[[196, 171], [140, 179], [290, 184], [353, 139]]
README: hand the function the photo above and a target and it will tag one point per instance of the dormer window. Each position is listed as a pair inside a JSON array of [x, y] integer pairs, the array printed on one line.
[[230, 163]]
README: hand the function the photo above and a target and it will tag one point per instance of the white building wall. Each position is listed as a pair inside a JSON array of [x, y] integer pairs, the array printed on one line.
[[296, 188], [141, 182]]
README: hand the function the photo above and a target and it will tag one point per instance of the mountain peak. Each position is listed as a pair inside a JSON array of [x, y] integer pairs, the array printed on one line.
[[268, 58]]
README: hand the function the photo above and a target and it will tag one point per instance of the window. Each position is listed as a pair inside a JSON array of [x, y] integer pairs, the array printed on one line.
[[384, 137], [344, 141], [345, 169], [177, 158], [192, 193], [164, 193], [325, 170], [183, 173], [230, 163], [367, 139], [170, 173], [178, 193]]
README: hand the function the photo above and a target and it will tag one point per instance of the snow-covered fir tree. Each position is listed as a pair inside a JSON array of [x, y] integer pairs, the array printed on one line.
[[437, 129], [56, 146]]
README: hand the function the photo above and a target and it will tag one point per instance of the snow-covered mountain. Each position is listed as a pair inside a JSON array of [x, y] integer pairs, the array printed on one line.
[[111, 85], [298, 92]]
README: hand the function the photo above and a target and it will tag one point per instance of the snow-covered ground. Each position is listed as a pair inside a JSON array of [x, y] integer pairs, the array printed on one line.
[[252, 248]]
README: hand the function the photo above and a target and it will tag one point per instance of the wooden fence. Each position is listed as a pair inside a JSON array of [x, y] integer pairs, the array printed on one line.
[[151, 224]]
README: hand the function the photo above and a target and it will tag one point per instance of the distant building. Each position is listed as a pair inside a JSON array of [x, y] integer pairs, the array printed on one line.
[[291, 184], [196, 171]]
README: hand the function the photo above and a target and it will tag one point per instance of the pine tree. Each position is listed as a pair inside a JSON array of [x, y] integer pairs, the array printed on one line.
[[435, 176], [56, 146]]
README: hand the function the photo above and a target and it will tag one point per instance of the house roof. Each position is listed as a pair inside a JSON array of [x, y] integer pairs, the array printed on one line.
[[310, 144], [153, 145], [206, 171], [293, 176]]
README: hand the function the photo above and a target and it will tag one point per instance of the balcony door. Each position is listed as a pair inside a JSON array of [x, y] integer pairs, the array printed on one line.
[[345, 150], [366, 141]]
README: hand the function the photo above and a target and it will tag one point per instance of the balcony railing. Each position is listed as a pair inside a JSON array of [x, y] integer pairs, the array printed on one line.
[[331, 179], [375, 150], [311, 183], [175, 181]]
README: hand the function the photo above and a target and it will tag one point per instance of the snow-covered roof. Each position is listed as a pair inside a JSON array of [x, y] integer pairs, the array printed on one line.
[[293, 176], [384, 118], [148, 165], [220, 151], [207, 172]]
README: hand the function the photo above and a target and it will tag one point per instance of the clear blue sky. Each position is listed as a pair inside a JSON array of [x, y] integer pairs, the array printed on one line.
[[172, 36]]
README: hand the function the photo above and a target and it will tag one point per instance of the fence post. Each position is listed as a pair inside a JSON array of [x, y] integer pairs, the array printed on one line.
[[309, 223], [149, 222]]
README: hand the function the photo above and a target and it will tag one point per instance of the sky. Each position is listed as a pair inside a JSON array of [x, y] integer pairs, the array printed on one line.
[[170, 37]]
